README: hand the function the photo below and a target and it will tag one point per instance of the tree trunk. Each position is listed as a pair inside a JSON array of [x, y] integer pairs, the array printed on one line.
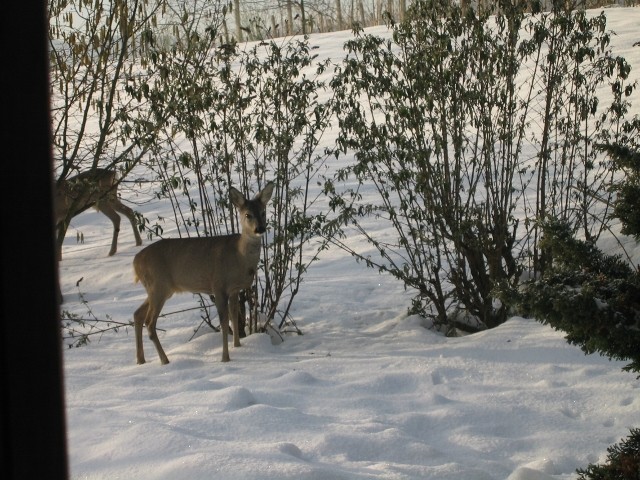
[[236, 12], [289, 17], [303, 19], [402, 9]]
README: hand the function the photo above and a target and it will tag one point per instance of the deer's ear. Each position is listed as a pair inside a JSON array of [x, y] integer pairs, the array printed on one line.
[[236, 197], [265, 193]]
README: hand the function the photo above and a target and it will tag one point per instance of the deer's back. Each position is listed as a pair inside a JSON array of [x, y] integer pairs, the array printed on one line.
[[84, 191], [198, 265]]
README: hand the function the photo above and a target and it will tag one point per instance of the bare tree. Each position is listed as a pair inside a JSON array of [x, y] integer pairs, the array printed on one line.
[[92, 51]]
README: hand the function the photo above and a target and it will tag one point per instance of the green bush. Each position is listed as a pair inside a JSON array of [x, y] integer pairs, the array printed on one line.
[[453, 122], [593, 297], [241, 116], [627, 204], [623, 461]]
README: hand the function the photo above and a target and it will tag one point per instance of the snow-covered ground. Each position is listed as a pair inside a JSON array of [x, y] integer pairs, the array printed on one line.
[[366, 392]]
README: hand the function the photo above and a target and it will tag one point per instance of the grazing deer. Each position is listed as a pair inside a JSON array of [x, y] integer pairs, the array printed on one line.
[[95, 188], [221, 266]]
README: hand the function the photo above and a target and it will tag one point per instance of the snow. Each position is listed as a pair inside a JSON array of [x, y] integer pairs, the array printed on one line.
[[366, 393]]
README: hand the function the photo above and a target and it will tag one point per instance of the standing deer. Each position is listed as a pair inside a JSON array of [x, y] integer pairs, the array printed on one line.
[[221, 266], [95, 188]]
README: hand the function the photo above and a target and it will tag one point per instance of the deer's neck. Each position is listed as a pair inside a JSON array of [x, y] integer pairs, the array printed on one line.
[[250, 247]]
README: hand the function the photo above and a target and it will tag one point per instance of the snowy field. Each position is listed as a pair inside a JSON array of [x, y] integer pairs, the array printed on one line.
[[365, 393]]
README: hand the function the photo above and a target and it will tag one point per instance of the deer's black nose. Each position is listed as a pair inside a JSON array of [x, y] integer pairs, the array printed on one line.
[[260, 230]]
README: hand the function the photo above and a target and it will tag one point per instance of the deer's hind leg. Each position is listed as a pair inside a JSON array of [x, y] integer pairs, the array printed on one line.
[[147, 314], [139, 317], [155, 307], [127, 212], [108, 210]]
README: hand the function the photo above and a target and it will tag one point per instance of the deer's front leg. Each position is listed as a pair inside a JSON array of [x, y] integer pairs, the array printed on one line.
[[233, 312], [222, 305]]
